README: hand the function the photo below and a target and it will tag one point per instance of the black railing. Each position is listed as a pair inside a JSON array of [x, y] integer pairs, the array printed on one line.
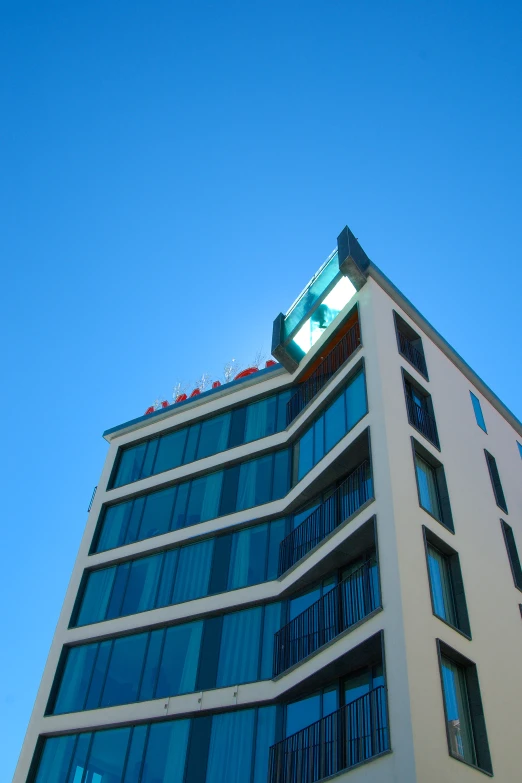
[[347, 737], [345, 501], [92, 498], [413, 355], [343, 606], [422, 420], [330, 364]]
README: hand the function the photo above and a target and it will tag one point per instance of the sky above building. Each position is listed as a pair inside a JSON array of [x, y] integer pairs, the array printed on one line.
[[172, 176]]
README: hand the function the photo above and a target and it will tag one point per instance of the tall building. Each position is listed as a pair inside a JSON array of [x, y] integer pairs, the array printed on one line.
[[308, 571]]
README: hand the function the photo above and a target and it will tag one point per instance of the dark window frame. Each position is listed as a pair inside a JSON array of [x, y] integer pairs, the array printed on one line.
[[496, 484], [457, 584], [512, 553], [403, 327], [441, 485], [409, 381], [478, 723]]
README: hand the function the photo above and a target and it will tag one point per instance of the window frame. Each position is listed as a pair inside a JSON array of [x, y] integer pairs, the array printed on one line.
[[457, 583], [478, 723], [512, 553], [418, 449], [500, 498], [403, 327]]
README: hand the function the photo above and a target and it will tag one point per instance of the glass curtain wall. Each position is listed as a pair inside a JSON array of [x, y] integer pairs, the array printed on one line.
[[219, 433]]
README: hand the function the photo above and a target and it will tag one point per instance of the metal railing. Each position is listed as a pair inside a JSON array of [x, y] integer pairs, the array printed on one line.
[[347, 737], [345, 501], [413, 355], [92, 498], [343, 606], [330, 364], [422, 420]]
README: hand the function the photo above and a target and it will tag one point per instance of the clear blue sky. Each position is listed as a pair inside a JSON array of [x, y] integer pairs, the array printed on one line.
[[172, 174]]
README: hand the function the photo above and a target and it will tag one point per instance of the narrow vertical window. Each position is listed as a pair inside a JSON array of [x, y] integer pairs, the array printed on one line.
[[427, 483], [514, 560], [458, 715], [431, 485], [478, 411], [519, 449], [495, 481], [441, 585]]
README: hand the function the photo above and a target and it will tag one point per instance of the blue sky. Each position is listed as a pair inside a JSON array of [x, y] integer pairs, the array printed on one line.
[[172, 175]]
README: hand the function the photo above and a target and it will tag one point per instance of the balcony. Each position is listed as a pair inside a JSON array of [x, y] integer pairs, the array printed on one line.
[[422, 421], [412, 354], [342, 504], [329, 365], [349, 736], [345, 605]]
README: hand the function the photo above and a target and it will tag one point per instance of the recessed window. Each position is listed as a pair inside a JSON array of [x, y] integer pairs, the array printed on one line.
[[431, 485], [410, 345], [446, 586], [514, 560], [478, 411], [495, 481], [465, 724], [420, 410], [519, 449]]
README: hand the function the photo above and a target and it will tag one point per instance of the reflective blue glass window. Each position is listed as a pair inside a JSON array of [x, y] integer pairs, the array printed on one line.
[[118, 591], [458, 716], [166, 588], [142, 585], [107, 756], [204, 498], [98, 675], [76, 678], [214, 436], [114, 527], [306, 453], [240, 641], [281, 483], [133, 525], [79, 760], [180, 506], [166, 751], [261, 419], [248, 557], [129, 467], [231, 745], [479, 416], [302, 713], [193, 572], [124, 670], [356, 404], [255, 482], [271, 624], [96, 596], [55, 759], [135, 757], [441, 585], [334, 423], [180, 658], [277, 533], [157, 513], [519, 448], [265, 738], [170, 451]]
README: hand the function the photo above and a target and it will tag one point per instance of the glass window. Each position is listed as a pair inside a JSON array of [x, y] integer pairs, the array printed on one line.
[[79, 761], [277, 533], [271, 624], [303, 601], [282, 402], [265, 738], [129, 468], [107, 756], [157, 513], [458, 716], [356, 404], [55, 760], [204, 498], [260, 419], [180, 507], [115, 521], [124, 671], [170, 451], [76, 678], [247, 558], [239, 653], [478, 412], [170, 562], [135, 759], [192, 443], [142, 585], [152, 664], [302, 713], [519, 448], [231, 745], [319, 439], [441, 585], [255, 483], [334, 423], [214, 436], [166, 751], [305, 448], [179, 662], [98, 675], [96, 596], [281, 484], [427, 483], [193, 572]]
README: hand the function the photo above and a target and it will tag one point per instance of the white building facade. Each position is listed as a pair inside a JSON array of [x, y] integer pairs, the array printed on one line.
[[311, 571]]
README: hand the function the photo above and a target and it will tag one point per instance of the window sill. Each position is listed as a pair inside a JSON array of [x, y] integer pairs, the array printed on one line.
[[469, 764], [454, 627], [444, 525]]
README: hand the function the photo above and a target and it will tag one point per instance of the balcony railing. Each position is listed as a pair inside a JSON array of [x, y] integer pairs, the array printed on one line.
[[414, 356], [330, 364], [347, 737], [345, 501], [343, 606], [422, 420]]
